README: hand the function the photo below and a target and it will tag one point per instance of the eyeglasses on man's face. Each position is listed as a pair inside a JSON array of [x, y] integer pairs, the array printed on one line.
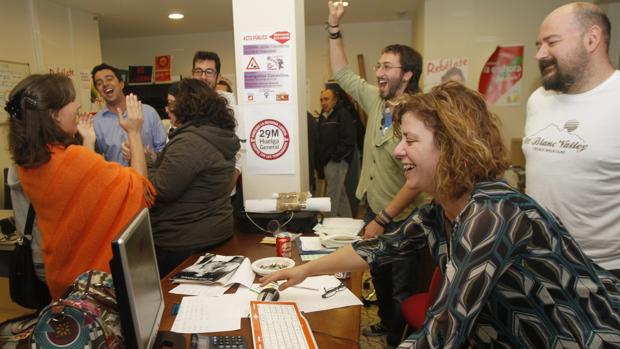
[[197, 72], [328, 292], [386, 67]]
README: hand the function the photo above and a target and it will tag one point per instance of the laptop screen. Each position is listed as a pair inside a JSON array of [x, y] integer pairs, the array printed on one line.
[[136, 281]]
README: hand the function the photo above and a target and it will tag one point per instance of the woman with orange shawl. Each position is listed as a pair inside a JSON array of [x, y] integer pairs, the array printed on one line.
[[81, 201]]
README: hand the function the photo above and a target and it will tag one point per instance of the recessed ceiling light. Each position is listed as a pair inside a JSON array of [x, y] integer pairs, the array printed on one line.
[[176, 15], [345, 3]]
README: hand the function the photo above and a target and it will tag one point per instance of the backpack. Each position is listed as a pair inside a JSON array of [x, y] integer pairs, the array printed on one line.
[[86, 316]]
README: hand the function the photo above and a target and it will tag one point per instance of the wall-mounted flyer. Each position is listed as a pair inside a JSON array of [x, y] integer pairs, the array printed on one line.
[[267, 67], [270, 144], [501, 77]]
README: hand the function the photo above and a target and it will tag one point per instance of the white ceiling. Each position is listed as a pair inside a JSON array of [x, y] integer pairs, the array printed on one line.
[[135, 18]]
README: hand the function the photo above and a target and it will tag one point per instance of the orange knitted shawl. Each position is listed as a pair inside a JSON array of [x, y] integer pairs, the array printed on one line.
[[81, 202]]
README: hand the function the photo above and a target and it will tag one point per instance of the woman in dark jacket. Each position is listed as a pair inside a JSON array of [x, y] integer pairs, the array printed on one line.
[[192, 176]]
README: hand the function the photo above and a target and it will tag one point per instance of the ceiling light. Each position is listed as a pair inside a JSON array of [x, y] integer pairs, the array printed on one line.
[[344, 3], [176, 15]]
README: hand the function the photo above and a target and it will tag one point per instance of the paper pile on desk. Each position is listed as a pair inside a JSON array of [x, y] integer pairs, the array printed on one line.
[[339, 225], [217, 270], [213, 314]]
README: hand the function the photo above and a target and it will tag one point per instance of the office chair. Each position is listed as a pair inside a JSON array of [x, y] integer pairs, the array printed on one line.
[[414, 308]]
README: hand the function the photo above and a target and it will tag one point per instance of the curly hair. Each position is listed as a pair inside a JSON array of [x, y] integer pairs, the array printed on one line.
[[466, 132], [33, 128], [199, 104]]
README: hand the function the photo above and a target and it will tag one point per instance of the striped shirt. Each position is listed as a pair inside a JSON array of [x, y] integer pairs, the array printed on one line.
[[513, 276]]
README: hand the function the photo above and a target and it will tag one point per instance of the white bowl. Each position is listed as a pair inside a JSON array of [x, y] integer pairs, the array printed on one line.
[[268, 265]]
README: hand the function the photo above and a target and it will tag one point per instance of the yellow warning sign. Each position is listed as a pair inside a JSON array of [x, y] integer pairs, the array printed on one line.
[[253, 65]]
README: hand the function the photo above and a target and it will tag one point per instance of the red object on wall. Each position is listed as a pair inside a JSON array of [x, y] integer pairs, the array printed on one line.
[[162, 68], [502, 71]]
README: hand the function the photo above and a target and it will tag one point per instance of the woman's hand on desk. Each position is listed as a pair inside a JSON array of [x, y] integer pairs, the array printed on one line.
[[292, 276]]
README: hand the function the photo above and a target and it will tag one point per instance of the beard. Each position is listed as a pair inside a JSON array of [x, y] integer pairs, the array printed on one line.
[[393, 84], [559, 80], [566, 76]]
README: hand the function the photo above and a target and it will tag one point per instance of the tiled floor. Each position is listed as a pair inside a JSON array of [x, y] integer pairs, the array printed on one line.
[[369, 317]]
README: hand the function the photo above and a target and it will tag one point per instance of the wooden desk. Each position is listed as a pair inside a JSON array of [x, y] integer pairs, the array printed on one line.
[[335, 328]]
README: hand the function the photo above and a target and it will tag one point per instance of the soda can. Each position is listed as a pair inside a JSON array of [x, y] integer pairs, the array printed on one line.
[[283, 245], [343, 275]]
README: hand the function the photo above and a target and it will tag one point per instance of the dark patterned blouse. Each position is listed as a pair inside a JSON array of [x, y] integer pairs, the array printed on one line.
[[513, 277]]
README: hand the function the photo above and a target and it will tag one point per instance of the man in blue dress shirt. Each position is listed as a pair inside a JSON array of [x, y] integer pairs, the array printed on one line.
[[109, 83]]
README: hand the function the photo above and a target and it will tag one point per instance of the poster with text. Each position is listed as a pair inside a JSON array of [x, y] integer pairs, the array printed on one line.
[[267, 67], [501, 77], [162, 68], [91, 101], [444, 69], [269, 146]]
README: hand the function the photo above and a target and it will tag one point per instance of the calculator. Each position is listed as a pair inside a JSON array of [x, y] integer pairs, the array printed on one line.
[[203, 341]]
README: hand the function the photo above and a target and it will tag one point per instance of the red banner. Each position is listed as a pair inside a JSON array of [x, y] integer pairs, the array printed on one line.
[[502, 71], [162, 68]]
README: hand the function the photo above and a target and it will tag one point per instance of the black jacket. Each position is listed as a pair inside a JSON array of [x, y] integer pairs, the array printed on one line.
[[336, 139], [192, 176]]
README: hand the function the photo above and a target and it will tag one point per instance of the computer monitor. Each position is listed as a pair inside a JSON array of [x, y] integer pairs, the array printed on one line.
[[136, 281]]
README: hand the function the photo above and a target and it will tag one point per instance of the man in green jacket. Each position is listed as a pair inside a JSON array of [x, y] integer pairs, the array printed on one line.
[[382, 180]]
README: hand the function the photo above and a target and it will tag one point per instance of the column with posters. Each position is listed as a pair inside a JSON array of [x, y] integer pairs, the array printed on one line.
[[501, 76], [268, 111]]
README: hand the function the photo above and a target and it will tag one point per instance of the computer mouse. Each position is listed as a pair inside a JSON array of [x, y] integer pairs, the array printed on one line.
[[268, 295]]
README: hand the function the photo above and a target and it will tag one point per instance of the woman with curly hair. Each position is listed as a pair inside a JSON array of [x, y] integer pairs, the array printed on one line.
[[80, 200], [192, 176], [513, 277]]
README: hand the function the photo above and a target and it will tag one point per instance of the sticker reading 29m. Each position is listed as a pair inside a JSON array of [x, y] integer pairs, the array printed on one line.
[[269, 139]]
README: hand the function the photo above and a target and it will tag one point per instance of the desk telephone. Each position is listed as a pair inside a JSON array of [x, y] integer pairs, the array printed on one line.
[[203, 341]]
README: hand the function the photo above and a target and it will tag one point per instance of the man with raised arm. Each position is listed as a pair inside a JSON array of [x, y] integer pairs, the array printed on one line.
[[381, 183]]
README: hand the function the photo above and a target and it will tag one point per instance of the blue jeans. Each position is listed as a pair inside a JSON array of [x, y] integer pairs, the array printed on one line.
[[393, 282]]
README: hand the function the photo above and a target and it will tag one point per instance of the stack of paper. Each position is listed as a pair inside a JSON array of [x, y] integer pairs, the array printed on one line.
[[339, 225], [310, 248], [212, 275]]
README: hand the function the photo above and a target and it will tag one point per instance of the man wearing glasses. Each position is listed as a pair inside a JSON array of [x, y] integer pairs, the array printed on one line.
[[381, 182], [206, 66]]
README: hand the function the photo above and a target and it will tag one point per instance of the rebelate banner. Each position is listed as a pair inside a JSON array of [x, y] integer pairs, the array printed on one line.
[[500, 79]]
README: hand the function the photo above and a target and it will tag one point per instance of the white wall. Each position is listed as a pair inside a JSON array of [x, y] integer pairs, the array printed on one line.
[[613, 12], [45, 35], [473, 28], [365, 38]]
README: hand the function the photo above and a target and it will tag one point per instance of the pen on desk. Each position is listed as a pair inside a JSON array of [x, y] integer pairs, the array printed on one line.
[[175, 308]]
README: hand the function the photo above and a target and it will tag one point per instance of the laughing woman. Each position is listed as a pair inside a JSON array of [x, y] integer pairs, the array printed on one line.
[[513, 275], [80, 200]]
